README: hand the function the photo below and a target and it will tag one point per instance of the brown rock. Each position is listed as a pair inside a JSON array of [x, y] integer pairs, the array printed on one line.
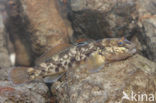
[[18, 34], [47, 25], [35, 27], [100, 5], [135, 74]]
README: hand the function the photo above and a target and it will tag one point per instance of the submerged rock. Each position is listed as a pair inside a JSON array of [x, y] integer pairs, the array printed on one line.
[[28, 93], [19, 36], [48, 25], [147, 25], [4, 54], [35, 27], [104, 18], [135, 74]]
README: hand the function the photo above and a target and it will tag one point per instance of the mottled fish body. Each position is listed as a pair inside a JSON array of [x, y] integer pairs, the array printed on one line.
[[98, 52]]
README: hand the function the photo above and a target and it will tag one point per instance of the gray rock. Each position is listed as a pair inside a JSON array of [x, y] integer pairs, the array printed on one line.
[[77, 5], [147, 23], [104, 18], [135, 74], [4, 55], [28, 93]]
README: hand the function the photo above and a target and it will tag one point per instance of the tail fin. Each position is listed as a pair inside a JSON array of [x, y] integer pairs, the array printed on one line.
[[19, 75]]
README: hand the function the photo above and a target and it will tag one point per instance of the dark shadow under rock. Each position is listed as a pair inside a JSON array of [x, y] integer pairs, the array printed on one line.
[[118, 21], [89, 23], [17, 27]]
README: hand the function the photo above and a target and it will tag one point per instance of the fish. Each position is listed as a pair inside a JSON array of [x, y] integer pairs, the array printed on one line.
[[98, 53], [52, 51]]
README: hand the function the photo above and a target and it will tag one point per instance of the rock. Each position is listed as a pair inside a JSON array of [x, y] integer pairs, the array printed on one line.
[[4, 73], [16, 27], [104, 18], [88, 23], [4, 55], [147, 26], [35, 27], [100, 5], [138, 44], [47, 25], [29, 93], [78, 5], [134, 75]]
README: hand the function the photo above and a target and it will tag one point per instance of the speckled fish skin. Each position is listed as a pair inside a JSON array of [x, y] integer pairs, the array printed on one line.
[[106, 50]]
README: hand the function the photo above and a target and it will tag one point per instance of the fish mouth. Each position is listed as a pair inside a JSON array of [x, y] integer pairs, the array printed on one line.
[[133, 51]]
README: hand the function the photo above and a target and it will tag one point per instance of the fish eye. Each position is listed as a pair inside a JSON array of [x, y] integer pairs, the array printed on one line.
[[120, 43]]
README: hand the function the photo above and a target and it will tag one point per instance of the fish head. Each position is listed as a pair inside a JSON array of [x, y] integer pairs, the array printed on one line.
[[116, 49]]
